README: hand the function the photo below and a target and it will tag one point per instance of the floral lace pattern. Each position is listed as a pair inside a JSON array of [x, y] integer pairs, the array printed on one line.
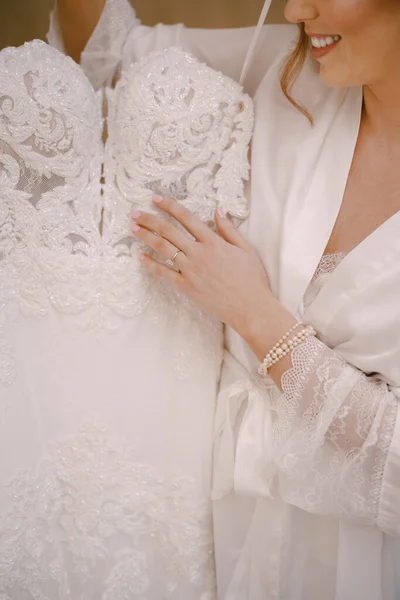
[[49, 162], [176, 127], [326, 266], [88, 505], [181, 129], [333, 428]]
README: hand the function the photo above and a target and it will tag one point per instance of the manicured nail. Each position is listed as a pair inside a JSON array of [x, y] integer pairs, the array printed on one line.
[[157, 199], [221, 213], [135, 227], [135, 214]]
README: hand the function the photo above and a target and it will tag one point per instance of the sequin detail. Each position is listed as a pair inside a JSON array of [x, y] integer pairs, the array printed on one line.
[[175, 127], [114, 522], [7, 361]]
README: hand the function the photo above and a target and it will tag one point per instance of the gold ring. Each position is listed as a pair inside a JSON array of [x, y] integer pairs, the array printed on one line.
[[171, 261]]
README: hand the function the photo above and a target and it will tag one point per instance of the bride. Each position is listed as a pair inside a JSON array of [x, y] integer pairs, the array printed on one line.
[[108, 376]]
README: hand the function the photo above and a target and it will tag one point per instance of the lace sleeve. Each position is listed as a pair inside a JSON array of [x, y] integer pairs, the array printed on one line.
[[102, 55], [333, 439]]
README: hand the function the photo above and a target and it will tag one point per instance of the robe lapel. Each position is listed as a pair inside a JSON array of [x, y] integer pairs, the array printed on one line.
[[370, 263], [316, 193]]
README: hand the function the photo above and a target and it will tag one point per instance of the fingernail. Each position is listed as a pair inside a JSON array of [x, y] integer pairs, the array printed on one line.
[[157, 199], [141, 257], [135, 227], [135, 214], [221, 213]]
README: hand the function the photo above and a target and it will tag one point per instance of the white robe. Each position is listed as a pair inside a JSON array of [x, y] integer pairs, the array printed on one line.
[[274, 539], [330, 538]]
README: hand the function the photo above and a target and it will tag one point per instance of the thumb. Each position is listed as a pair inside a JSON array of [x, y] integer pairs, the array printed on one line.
[[228, 231]]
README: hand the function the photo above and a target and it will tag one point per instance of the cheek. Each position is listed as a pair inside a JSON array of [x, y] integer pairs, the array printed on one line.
[[353, 17], [366, 30]]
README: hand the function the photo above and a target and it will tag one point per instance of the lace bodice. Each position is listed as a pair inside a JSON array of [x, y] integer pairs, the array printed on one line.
[[175, 127]]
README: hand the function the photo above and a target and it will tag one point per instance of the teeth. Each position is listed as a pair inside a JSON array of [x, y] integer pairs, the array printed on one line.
[[323, 42]]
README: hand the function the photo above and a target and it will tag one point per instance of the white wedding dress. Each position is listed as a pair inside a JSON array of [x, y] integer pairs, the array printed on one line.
[[107, 376]]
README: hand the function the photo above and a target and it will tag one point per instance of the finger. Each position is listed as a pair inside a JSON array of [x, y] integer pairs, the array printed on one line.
[[228, 231], [166, 230], [199, 230], [174, 277], [163, 247]]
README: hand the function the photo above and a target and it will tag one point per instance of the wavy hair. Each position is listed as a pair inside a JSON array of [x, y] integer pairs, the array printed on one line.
[[292, 68]]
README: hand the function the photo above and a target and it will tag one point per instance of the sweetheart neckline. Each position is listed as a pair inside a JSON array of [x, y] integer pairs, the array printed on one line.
[[133, 65]]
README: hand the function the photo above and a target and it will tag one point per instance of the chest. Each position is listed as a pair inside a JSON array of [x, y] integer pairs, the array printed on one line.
[[372, 193]]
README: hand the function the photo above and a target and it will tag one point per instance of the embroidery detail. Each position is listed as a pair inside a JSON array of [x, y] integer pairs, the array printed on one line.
[[65, 242], [87, 504]]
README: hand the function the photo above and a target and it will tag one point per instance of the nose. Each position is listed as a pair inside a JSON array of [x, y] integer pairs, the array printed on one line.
[[299, 11]]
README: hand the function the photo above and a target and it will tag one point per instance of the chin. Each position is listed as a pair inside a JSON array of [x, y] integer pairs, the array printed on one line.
[[335, 77]]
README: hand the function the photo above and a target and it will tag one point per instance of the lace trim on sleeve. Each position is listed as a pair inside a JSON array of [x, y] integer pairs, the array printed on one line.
[[332, 435]]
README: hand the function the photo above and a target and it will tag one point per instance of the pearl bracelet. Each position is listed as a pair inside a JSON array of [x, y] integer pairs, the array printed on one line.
[[283, 347]]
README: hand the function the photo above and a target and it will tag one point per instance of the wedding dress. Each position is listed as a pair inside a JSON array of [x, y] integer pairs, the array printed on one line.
[[108, 376]]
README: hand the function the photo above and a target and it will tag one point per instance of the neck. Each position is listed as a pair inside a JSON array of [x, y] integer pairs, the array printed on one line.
[[382, 109]]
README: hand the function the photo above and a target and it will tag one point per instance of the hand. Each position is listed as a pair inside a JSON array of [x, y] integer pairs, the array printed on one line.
[[221, 272]]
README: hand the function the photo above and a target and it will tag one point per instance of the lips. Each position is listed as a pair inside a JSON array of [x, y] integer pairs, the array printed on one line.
[[323, 44]]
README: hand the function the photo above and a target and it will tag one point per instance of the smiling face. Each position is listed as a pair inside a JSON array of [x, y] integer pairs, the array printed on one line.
[[356, 42]]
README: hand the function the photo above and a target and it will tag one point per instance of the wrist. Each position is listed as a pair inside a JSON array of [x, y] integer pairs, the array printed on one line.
[[265, 326]]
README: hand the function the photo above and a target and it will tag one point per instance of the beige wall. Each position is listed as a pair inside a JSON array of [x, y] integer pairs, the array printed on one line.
[[22, 20]]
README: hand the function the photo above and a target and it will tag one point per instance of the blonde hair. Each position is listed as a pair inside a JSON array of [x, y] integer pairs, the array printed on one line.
[[292, 68]]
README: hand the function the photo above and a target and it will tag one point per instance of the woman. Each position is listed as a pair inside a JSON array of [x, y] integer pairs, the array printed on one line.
[[321, 466], [316, 439], [108, 377]]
